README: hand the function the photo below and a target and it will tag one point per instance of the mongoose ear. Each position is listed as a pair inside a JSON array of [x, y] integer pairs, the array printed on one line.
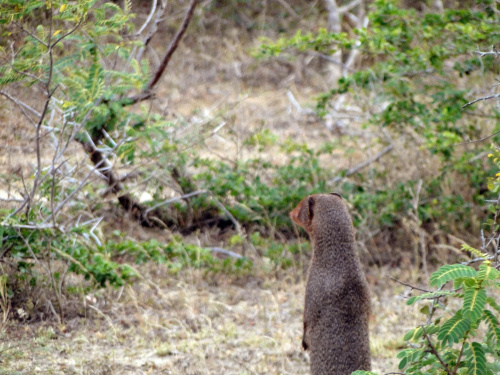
[[337, 194], [303, 213]]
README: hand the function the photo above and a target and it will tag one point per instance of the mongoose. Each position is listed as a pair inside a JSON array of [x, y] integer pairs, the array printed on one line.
[[337, 303]]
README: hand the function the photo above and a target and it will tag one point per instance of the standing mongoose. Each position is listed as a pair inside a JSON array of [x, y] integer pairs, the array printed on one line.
[[337, 303]]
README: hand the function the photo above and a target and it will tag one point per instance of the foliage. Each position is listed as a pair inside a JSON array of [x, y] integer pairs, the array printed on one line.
[[411, 80], [453, 343], [461, 337], [411, 76]]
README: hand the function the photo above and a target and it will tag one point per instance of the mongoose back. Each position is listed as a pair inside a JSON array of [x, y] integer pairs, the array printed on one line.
[[337, 303]]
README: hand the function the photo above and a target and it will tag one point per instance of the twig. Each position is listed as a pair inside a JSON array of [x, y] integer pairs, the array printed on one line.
[[363, 164], [335, 61], [348, 7], [434, 351], [175, 199], [492, 52], [289, 8], [148, 92], [237, 225], [11, 200], [33, 226], [104, 160], [460, 354], [483, 98], [297, 106], [150, 16], [153, 29], [225, 252], [477, 140], [408, 285], [20, 103]]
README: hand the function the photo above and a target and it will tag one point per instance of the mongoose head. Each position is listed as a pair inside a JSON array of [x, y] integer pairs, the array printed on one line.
[[324, 214]]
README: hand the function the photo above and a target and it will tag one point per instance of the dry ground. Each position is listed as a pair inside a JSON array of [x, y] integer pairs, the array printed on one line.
[[193, 323]]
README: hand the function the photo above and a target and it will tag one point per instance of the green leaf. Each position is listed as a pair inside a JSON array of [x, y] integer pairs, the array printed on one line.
[[476, 360], [493, 324], [416, 333], [454, 329], [451, 272], [486, 272], [474, 251], [409, 356], [491, 301], [474, 301], [430, 295]]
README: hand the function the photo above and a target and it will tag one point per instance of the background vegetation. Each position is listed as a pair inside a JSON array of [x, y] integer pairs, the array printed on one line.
[[120, 166]]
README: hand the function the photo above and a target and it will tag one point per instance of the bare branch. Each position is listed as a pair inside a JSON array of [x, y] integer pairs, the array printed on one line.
[[20, 103], [175, 199], [363, 164], [289, 8], [228, 214], [477, 140], [33, 226], [148, 92], [346, 8], [492, 52], [150, 16], [483, 98], [409, 286], [332, 8], [225, 252]]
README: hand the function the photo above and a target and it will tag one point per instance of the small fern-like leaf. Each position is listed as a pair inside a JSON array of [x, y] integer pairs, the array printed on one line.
[[487, 272], [409, 356], [418, 332], [94, 82], [451, 272], [474, 301], [474, 251], [493, 324], [491, 301], [454, 329], [476, 360]]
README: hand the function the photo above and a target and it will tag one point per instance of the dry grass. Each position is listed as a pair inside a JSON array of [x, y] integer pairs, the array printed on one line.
[[191, 324]]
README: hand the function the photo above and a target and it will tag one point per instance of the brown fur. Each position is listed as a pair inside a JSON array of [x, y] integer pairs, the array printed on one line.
[[337, 304]]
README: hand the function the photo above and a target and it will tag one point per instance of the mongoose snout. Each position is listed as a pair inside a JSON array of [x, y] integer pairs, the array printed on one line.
[[337, 302]]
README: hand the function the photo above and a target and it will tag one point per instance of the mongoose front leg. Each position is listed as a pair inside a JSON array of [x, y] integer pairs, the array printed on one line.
[[305, 345]]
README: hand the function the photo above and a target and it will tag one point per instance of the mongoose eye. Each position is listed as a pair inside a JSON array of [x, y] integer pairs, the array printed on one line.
[[337, 194], [311, 206]]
